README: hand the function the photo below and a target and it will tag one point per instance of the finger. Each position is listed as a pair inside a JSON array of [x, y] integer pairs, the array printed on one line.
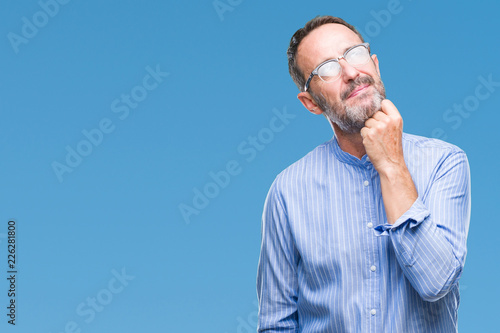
[[379, 115], [389, 108], [363, 132], [370, 123]]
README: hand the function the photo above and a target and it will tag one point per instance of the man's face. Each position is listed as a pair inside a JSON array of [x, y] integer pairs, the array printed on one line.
[[356, 95]]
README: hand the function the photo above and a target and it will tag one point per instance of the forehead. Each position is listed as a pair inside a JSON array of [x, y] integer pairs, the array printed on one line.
[[328, 41]]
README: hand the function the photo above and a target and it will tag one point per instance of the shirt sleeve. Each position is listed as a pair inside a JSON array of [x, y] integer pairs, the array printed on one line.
[[277, 284], [430, 238]]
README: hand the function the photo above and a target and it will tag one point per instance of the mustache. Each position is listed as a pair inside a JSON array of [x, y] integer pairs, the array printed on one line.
[[360, 80]]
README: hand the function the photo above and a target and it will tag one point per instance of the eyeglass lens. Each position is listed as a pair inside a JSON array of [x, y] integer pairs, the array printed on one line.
[[355, 57]]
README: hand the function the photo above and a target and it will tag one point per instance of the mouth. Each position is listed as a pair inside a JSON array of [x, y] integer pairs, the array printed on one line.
[[360, 89]]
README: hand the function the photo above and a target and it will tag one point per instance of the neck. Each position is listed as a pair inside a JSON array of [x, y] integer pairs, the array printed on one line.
[[351, 143]]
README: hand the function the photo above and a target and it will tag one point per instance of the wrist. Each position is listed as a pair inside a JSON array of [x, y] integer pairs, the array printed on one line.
[[393, 171]]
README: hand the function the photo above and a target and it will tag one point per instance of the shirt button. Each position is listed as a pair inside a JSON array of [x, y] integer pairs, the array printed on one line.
[[370, 225], [366, 183], [373, 268], [373, 312]]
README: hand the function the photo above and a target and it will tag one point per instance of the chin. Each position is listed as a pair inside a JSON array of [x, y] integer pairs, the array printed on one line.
[[354, 117], [351, 118]]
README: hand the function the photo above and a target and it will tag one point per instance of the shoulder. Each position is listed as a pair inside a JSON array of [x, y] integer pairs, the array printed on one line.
[[429, 149], [428, 156], [424, 143]]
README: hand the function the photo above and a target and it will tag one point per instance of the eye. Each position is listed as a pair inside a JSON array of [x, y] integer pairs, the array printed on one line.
[[358, 56], [329, 71]]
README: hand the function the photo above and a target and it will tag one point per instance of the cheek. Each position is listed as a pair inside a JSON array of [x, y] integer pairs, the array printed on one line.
[[331, 91]]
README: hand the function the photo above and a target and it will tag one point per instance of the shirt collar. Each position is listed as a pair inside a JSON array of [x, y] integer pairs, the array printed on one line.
[[345, 157]]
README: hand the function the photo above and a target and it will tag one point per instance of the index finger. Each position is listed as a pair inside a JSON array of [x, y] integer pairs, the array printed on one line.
[[389, 108]]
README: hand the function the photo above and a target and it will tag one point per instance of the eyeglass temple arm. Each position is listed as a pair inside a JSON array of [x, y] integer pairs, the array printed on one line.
[[308, 81]]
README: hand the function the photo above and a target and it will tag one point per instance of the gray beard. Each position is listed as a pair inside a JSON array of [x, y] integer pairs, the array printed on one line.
[[351, 119]]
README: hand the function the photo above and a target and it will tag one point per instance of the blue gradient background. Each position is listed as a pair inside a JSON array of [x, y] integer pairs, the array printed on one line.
[[120, 206]]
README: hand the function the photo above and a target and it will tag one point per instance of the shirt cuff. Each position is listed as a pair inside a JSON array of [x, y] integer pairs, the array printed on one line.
[[413, 216]]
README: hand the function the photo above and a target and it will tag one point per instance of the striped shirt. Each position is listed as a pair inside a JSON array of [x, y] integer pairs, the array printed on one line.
[[330, 262]]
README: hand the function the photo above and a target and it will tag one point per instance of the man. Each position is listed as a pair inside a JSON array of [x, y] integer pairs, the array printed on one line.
[[366, 233]]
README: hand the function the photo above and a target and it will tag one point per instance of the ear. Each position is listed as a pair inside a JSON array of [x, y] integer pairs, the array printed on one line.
[[306, 99], [375, 61]]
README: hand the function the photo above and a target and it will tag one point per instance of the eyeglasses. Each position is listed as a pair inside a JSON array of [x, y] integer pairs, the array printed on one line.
[[330, 70]]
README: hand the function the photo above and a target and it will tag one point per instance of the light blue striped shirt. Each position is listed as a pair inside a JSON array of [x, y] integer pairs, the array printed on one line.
[[330, 262]]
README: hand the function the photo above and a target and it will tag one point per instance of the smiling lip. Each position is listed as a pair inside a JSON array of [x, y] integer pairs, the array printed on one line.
[[358, 90]]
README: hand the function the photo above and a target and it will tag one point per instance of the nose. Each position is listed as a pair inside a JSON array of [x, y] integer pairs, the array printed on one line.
[[348, 72]]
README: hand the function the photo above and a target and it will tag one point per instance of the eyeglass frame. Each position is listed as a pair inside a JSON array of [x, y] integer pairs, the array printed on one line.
[[315, 71]]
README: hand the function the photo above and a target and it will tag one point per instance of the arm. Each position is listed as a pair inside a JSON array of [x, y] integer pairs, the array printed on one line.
[[382, 138], [428, 233], [277, 272], [430, 238]]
